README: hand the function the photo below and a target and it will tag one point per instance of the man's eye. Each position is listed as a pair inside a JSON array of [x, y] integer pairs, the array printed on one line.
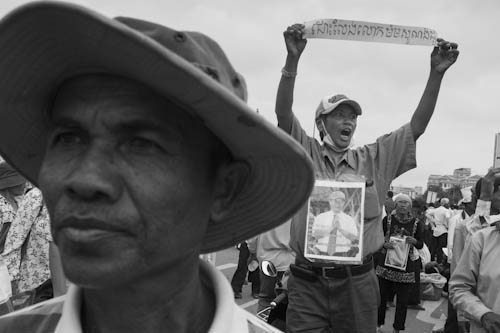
[[68, 138], [142, 143]]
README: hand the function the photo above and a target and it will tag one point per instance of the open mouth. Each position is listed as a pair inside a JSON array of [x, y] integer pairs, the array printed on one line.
[[345, 134]]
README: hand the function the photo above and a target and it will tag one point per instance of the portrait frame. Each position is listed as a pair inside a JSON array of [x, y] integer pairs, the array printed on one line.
[[345, 246], [398, 256]]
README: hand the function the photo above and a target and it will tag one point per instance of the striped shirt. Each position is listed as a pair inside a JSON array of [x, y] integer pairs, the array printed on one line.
[[62, 314]]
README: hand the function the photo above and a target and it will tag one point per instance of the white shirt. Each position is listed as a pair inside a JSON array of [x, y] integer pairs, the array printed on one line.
[[441, 217], [475, 283], [228, 318], [273, 246], [322, 228], [453, 222]]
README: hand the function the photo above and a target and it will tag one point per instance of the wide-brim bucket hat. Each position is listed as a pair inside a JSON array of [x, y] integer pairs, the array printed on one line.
[[42, 44]]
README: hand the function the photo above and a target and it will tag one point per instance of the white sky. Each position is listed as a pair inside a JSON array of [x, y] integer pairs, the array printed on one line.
[[386, 79]]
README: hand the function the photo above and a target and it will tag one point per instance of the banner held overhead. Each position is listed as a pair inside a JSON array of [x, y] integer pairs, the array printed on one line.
[[369, 32]]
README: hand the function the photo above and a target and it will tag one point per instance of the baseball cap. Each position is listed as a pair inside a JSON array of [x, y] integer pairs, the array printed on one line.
[[45, 43], [331, 102]]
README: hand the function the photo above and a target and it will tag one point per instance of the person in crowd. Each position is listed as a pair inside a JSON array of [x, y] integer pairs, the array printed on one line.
[[389, 204], [478, 218], [467, 208], [322, 294], [441, 215], [335, 232], [12, 186], [241, 272], [272, 246], [139, 141], [475, 281], [30, 253], [403, 224], [414, 301], [430, 223]]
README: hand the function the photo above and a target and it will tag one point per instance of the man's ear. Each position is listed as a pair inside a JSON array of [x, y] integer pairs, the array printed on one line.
[[229, 181]]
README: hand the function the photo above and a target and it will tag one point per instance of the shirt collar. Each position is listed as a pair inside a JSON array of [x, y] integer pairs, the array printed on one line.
[[228, 316], [347, 157]]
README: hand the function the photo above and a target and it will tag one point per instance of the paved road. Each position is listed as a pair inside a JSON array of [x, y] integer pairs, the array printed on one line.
[[426, 321]]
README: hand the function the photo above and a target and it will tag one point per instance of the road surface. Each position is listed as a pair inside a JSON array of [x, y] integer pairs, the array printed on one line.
[[426, 321]]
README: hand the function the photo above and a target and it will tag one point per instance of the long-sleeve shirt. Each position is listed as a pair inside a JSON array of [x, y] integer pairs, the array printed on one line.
[[474, 285], [465, 228]]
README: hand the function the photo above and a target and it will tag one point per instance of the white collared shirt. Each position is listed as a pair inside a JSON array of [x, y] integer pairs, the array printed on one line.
[[228, 318]]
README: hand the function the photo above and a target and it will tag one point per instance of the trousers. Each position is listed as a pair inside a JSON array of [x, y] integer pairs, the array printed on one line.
[[340, 305], [402, 294]]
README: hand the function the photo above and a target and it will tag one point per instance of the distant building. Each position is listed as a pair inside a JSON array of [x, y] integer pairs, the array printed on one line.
[[461, 178], [462, 173], [412, 192]]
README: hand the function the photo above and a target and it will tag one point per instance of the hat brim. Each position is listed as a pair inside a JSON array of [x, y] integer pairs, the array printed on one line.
[[44, 43]]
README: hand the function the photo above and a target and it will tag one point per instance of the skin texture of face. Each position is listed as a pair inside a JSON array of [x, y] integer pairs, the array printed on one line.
[[337, 205], [402, 207], [341, 124], [128, 181]]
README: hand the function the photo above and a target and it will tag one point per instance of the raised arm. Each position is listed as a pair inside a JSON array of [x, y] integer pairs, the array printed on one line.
[[442, 57], [284, 99]]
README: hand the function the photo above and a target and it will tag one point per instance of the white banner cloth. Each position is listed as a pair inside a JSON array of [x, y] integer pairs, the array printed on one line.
[[369, 32]]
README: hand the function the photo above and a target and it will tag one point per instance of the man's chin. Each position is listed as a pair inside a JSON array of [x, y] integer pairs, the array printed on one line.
[[94, 277]]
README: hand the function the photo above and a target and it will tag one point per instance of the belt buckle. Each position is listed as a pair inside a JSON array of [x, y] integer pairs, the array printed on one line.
[[324, 271]]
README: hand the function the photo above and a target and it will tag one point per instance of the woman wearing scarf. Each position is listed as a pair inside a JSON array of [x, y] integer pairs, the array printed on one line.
[[400, 223]]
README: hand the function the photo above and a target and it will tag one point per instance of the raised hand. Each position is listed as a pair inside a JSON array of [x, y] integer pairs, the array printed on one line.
[[295, 44], [444, 55], [488, 184]]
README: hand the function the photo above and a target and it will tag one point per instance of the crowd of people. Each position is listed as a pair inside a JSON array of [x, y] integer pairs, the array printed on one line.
[[135, 152]]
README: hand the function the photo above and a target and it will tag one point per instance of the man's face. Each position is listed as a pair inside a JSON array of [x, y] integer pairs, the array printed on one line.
[[341, 124], [337, 205], [127, 180]]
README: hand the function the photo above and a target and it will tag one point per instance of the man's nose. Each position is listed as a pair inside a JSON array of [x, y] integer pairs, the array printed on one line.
[[94, 177]]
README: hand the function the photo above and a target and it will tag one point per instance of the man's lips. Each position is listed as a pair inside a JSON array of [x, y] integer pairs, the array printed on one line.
[[87, 229], [345, 134]]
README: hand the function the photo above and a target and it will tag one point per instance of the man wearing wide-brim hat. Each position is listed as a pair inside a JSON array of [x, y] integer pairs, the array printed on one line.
[[147, 156]]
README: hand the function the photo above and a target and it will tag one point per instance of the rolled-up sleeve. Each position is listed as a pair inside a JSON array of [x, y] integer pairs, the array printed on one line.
[[463, 282]]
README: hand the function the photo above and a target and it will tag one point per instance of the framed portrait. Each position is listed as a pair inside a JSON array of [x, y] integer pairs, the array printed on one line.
[[398, 256], [335, 222]]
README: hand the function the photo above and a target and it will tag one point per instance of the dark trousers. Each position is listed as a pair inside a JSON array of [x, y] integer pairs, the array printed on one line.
[[451, 325], [414, 296], [241, 272], [343, 305], [267, 289], [402, 294], [440, 242], [429, 239]]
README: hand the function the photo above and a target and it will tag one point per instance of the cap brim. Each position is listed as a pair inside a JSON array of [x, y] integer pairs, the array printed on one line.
[[44, 43]]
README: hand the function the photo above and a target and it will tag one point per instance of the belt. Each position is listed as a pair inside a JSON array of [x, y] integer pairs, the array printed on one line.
[[337, 272]]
